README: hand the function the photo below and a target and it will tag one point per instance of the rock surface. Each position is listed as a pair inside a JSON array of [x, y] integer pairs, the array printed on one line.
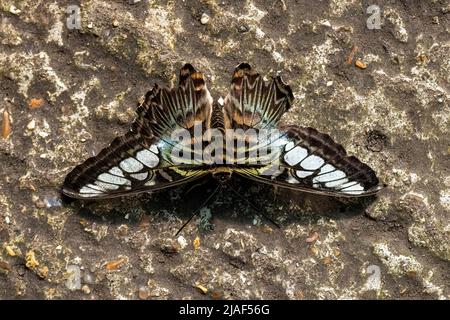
[[66, 92]]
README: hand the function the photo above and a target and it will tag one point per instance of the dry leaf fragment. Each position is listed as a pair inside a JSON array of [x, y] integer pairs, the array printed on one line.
[[10, 251], [114, 265], [31, 261], [35, 103], [360, 64], [327, 260], [352, 54], [313, 237], [201, 288], [6, 125]]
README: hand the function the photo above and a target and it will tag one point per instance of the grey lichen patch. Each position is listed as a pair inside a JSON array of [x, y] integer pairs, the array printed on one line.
[[338, 7], [24, 68], [404, 265], [393, 17], [133, 39], [9, 34], [427, 230], [111, 110]]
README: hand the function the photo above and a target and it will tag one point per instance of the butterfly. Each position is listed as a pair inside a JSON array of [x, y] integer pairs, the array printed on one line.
[[180, 134]]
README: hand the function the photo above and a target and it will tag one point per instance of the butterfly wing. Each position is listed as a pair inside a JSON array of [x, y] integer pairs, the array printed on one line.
[[253, 102], [307, 160], [293, 157], [147, 157]]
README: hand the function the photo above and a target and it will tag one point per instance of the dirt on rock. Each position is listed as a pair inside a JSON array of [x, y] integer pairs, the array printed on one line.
[[69, 84]]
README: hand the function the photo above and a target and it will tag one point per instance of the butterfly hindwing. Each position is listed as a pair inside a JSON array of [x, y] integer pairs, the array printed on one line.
[[300, 158], [144, 158], [253, 102], [310, 161]]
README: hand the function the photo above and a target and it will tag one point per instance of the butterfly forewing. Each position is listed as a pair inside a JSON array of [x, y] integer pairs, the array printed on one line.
[[145, 158]]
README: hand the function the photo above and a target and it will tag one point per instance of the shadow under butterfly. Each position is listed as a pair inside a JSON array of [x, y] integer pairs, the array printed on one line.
[[149, 157]]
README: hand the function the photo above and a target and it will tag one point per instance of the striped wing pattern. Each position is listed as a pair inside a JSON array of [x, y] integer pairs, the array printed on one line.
[[142, 159], [148, 157], [310, 161], [302, 158]]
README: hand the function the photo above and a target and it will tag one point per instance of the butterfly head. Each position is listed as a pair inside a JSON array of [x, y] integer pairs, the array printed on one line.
[[222, 174]]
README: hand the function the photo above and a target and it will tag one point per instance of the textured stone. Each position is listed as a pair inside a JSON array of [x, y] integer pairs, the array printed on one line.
[[394, 115]]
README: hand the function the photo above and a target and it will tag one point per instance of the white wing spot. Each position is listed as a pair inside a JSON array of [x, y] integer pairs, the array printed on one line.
[[327, 168], [86, 189], [312, 162], [336, 183], [116, 171], [334, 175], [154, 149], [95, 187], [139, 176], [148, 158], [303, 174], [131, 165], [353, 189], [106, 186], [295, 156], [289, 146], [109, 178]]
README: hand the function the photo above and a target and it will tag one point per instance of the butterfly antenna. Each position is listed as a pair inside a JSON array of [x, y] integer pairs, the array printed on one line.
[[258, 211], [211, 196], [195, 186]]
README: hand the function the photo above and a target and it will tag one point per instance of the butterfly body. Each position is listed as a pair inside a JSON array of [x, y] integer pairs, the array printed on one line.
[[179, 135]]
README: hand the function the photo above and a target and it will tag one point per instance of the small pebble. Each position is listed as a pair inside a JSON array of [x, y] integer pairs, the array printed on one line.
[[73, 281], [143, 293], [31, 125], [313, 237], [201, 288], [13, 9], [5, 266], [204, 19], [182, 242], [115, 23], [329, 83], [52, 202], [88, 278], [85, 288], [360, 64], [40, 204], [243, 28]]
